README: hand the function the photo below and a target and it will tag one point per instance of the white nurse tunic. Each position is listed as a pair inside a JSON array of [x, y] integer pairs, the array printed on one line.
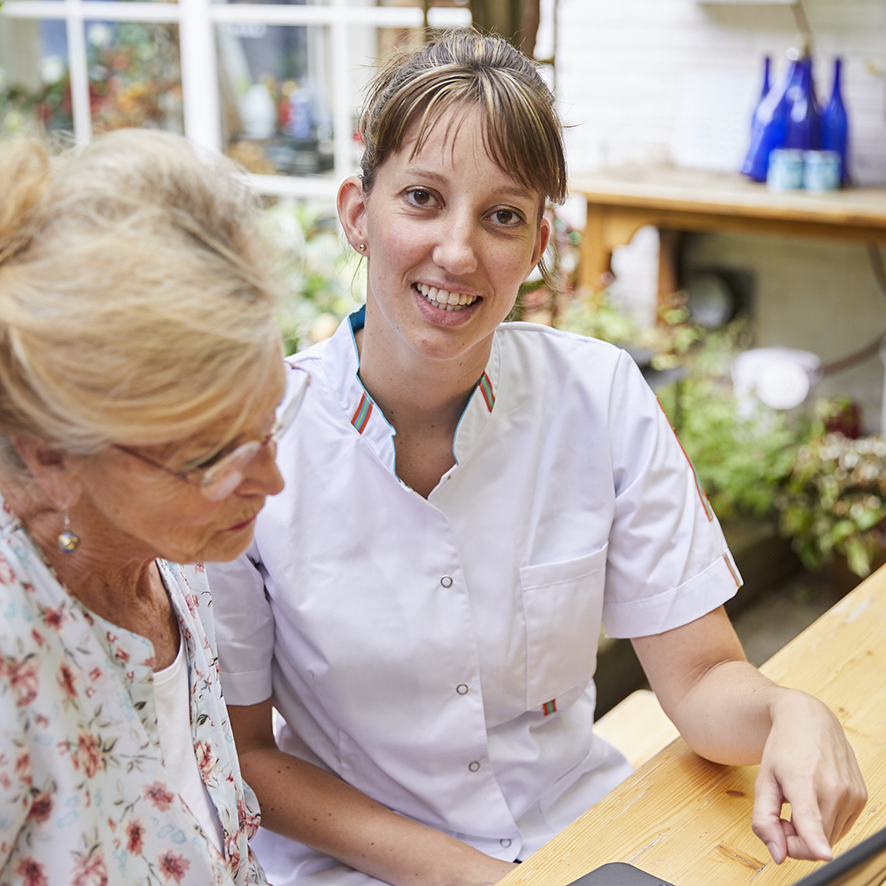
[[439, 654]]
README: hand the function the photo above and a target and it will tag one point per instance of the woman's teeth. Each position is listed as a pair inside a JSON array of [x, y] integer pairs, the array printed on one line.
[[447, 301]]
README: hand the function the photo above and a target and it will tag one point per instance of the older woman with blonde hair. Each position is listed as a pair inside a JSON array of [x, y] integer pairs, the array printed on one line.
[[140, 371]]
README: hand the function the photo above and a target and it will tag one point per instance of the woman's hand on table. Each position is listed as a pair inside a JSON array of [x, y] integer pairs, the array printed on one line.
[[728, 712], [808, 763]]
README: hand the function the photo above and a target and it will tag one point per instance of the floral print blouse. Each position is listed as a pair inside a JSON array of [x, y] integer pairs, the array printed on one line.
[[84, 797]]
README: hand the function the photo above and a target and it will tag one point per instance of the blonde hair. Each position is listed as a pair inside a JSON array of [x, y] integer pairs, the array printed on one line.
[[465, 68], [137, 296]]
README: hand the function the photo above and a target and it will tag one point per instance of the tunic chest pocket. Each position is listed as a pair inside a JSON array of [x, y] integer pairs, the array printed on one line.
[[562, 605]]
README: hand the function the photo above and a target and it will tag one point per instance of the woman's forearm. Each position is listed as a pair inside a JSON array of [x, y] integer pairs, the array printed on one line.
[[314, 807], [727, 715]]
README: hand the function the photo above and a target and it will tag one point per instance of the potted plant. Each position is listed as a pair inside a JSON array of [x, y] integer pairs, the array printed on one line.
[[833, 500]]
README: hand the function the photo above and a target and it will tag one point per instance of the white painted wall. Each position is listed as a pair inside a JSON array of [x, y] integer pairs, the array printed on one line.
[[675, 80]]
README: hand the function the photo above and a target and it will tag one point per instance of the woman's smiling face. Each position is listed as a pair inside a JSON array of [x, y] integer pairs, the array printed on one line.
[[450, 237]]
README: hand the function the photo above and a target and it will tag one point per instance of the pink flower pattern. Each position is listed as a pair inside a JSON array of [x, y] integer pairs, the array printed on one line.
[[173, 866], [89, 752], [24, 682], [41, 807], [158, 795], [135, 837], [31, 872], [90, 869], [85, 797], [206, 760]]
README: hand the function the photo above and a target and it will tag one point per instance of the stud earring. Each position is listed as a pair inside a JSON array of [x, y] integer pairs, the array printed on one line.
[[362, 247], [68, 541]]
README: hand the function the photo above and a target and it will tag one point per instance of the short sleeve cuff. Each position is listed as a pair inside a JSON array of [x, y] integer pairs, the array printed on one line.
[[673, 609], [247, 688]]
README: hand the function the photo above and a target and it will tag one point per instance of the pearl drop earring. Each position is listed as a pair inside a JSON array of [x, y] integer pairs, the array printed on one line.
[[68, 541]]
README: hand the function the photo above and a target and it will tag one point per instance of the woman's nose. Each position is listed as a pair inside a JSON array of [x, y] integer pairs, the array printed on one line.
[[263, 472], [455, 250]]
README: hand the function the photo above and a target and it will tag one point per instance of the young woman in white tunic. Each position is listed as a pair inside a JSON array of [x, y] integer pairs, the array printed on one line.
[[467, 502]]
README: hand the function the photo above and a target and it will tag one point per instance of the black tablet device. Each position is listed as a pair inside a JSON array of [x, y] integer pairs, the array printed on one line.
[[619, 874], [862, 865]]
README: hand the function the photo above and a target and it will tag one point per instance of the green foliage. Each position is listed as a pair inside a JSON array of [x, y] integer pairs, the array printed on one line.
[[742, 453], [741, 461], [18, 109], [827, 490], [834, 498], [323, 280], [594, 315], [665, 345]]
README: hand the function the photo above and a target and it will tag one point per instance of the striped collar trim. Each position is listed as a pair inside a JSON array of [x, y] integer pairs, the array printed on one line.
[[485, 385], [360, 418]]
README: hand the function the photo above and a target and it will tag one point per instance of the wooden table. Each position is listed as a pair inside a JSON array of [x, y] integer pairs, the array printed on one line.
[[689, 821], [623, 199]]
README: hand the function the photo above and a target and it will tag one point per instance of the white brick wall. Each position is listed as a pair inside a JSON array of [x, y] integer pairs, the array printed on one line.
[[628, 73], [633, 77]]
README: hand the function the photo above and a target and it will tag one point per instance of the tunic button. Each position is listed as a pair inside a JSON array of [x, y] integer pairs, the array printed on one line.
[[462, 689], [474, 766], [506, 842], [446, 581]]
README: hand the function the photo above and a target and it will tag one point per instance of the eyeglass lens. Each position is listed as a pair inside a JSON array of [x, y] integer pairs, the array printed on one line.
[[225, 476]]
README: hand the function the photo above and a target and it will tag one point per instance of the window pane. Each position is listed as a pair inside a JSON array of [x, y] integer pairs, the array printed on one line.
[[134, 75], [34, 83], [278, 2], [437, 4], [419, 4], [275, 84]]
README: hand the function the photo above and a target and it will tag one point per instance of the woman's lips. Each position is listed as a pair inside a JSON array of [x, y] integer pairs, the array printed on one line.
[[445, 300], [243, 525]]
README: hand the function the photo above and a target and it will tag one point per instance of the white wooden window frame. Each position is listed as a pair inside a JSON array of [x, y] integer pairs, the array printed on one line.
[[197, 21]]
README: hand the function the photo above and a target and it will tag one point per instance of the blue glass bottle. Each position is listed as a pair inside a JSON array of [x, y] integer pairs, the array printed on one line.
[[803, 130], [768, 124], [835, 124], [767, 73]]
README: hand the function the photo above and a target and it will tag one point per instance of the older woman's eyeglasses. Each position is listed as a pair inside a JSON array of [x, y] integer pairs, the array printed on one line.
[[219, 479]]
